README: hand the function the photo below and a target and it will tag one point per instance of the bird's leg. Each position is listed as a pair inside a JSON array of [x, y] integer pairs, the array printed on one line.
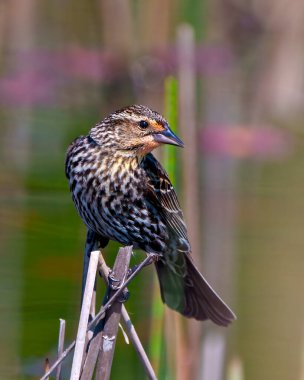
[[107, 295], [114, 284]]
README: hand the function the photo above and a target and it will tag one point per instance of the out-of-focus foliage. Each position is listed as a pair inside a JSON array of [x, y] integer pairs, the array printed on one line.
[[239, 69]]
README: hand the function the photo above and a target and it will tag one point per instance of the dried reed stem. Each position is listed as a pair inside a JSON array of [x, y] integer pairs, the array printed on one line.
[[100, 314], [60, 346], [110, 330], [104, 271], [46, 367], [84, 317], [137, 344]]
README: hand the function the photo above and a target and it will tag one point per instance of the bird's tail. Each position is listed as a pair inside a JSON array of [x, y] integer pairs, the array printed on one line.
[[191, 295]]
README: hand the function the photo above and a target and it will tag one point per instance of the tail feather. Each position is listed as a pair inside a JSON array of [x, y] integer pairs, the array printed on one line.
[[191, 295]]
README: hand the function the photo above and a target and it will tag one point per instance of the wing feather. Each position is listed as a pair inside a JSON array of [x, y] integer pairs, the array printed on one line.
[[163, 196]]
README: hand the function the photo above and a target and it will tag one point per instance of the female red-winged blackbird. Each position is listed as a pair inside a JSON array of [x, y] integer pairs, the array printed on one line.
[[122, 193]]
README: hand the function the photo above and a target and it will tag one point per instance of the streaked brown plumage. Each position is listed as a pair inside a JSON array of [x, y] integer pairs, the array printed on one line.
[[122, 193]]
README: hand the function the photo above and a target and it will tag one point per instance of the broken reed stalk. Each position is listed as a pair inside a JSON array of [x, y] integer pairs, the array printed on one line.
[[97, 334], [60, 346], [148, 260], [84, 316], [46, 367], [104, 271], [96, 341], [110, 329], [91, 358]]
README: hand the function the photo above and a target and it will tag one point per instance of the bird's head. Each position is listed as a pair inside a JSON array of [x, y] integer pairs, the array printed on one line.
[[134, 130]]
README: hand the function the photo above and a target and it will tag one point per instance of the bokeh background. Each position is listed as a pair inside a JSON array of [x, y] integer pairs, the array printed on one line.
[[239, 69]]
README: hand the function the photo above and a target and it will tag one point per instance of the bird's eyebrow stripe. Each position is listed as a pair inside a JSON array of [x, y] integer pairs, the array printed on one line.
[[157, 126]]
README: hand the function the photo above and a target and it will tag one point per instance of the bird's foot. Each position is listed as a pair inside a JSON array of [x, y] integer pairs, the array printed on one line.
[[124, 296], [114, 283], [153, 258], [131, 270]]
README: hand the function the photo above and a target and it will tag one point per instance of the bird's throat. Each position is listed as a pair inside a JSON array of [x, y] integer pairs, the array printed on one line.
[[124, 163], [147, 148]]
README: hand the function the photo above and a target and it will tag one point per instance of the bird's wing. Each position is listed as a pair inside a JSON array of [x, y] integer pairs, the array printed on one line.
[[161, 194]]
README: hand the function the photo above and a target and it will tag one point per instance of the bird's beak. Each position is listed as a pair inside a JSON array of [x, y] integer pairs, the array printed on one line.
[[168, 137]]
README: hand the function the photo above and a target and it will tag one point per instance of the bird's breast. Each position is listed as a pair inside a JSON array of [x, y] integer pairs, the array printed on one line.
[[109, 193]]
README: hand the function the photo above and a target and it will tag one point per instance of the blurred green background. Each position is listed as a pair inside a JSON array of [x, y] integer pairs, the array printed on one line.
[[236, 99]]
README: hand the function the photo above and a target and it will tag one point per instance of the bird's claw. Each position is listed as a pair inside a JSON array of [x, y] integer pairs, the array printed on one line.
[[114, 283], [131, 270], [124, 296], [154, 257]]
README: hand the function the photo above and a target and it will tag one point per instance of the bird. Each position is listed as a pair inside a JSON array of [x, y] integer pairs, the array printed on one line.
[[122, 193]]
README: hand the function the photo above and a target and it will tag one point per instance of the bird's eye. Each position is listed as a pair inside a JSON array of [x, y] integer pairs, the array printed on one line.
[[143, 124]]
